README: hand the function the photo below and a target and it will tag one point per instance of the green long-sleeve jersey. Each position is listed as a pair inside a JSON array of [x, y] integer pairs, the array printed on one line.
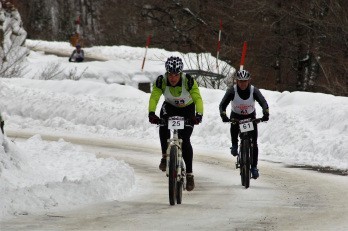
[[190, 84]]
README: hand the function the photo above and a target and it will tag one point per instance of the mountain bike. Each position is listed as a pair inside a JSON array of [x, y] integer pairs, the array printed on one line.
[[245, 154], [175, 170]]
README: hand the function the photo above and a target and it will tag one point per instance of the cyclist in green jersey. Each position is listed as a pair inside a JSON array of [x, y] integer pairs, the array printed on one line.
[[181, 98]]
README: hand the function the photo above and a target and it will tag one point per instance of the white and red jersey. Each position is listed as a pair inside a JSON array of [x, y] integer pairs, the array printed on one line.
[[241, 106]]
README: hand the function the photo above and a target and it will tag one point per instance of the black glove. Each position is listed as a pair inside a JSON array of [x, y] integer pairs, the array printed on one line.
[[153, 118], [197, 119], [224, 117], [265, 116]]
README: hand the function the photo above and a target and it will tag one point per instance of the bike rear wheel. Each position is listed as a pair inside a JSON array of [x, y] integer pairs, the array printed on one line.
[[172, 179], [245, 165]]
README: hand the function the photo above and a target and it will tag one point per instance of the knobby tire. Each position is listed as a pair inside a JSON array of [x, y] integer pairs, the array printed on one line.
[[246, 163], [172, 182]]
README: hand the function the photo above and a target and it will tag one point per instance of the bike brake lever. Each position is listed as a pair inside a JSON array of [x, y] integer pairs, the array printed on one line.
[[234, 121], [161, 122]]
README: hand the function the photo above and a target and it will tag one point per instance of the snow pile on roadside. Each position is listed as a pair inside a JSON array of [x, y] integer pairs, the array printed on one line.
[[57, 175]]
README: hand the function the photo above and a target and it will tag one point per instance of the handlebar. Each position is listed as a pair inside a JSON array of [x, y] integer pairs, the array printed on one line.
[[256, 121], [164, 122]]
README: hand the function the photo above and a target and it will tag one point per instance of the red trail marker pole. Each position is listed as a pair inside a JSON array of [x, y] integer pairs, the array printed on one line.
[[218, 46], [243, 56], [147, 45]]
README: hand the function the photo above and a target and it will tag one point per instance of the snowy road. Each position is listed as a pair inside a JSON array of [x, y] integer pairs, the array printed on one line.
[[282, 199]]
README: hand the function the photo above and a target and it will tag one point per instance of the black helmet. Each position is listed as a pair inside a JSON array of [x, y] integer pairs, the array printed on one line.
[[174, 65], [243, 75]]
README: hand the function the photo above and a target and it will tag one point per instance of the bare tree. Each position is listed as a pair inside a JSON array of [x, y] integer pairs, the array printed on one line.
[[12, 37], [292, 45]]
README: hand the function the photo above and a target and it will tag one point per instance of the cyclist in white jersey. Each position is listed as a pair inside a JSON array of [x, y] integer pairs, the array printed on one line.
[[242, 97]]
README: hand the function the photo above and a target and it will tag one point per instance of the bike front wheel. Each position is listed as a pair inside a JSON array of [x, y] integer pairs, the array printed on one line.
[[172, 181], [245, 163]]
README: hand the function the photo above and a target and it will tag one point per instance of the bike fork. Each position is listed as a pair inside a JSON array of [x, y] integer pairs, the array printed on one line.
[[180, 165], [168, 157], [238, 165], [238, 161]]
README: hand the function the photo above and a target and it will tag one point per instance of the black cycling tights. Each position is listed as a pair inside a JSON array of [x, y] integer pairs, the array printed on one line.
[[188, 112], [234, 135]]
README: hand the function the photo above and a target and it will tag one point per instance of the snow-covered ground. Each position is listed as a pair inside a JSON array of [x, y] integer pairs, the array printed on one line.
[[36, 175]]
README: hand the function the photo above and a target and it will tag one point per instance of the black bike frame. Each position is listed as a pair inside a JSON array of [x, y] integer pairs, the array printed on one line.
[[245, 155]]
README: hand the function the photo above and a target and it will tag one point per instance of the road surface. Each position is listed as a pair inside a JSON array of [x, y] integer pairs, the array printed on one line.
[[281, 199]]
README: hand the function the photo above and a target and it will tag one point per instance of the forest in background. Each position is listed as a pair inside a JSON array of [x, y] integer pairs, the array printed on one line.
[[293, 45]]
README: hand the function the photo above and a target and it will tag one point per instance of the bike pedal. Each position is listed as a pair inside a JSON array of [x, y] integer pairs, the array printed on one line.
[[237, 165]]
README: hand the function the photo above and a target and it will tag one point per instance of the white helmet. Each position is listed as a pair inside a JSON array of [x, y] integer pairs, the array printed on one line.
[[243, 75]]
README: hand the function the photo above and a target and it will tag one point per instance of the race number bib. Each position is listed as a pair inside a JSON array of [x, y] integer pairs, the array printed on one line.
[[176, 122], [246, 127]]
